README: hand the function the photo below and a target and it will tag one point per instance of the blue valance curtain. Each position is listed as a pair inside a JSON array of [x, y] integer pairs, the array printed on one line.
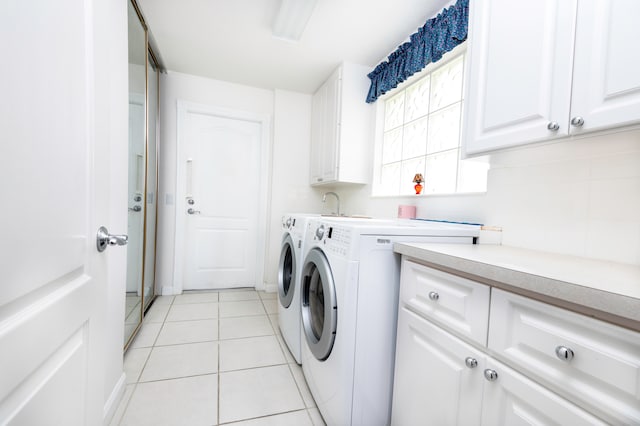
[[435, 38]]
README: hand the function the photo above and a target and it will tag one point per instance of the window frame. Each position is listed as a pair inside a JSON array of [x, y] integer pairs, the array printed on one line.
[[380, 123]]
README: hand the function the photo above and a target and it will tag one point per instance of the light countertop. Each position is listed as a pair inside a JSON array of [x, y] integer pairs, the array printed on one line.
[[606, 290]]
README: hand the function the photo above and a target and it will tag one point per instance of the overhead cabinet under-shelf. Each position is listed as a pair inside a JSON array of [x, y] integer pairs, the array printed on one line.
[[341, 127], [545, 69]]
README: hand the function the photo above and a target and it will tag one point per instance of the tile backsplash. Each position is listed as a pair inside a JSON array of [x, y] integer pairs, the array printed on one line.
[[578, 197]]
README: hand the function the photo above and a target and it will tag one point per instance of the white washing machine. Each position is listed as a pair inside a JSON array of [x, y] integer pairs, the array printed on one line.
[[289, 267], [349, 303]]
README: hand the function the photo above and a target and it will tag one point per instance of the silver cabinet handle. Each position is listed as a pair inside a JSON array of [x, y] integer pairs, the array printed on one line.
[[471, 362], [553, 126], [192, 211], [490, 375], [577, 121], [563, 353], [104, 239], [135, 208], [433, 295]]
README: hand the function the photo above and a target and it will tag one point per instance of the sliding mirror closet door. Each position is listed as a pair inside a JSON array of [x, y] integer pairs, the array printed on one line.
[[148, 291], [136, 172]]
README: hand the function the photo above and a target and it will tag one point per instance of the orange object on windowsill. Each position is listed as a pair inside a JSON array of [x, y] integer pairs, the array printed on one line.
[[418, 179]]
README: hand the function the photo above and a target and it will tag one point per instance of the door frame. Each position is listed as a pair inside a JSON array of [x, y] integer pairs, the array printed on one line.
[[264, 120]]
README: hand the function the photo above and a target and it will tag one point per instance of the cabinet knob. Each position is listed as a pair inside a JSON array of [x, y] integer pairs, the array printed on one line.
[[490, 375], [553, 126], [471, 362], [577, 121], [563, 353], [433, 295]]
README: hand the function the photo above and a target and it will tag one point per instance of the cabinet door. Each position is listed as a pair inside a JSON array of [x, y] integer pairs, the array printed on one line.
[[455, 303], [432, 383], [587, 361], [331, 128], [512, 399], [519, 72], [317, 134], [606, 82]]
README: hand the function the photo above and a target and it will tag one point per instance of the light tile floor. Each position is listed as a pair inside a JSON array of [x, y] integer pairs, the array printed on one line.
[[213, 358]]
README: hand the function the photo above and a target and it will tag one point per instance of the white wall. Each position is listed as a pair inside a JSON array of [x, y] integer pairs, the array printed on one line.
[[579, 197], [290, 189], [290, 113]]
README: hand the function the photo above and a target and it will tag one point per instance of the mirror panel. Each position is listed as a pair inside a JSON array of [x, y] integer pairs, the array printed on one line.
[[136, 172], [152, 182]]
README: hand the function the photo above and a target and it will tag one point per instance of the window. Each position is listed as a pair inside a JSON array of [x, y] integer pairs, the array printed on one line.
[[421, 134]]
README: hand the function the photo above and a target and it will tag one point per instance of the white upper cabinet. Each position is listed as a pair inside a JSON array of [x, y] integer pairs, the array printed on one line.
[[341, 128], [606, 78], [544, 69]]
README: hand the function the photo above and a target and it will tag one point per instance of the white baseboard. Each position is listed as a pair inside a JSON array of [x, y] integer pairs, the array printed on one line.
[[168, 291], [111, 405], [270, 288]]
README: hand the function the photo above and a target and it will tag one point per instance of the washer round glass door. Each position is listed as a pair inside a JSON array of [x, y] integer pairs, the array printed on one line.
[[287, 272], [319, 304]]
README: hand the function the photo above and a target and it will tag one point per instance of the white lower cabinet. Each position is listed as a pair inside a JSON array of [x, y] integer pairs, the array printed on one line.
[[432, 383], [592, 362], [445, 377], [509, 399], [441, 380]]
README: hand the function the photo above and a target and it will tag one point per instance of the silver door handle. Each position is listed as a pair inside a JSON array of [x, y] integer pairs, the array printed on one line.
[[192, 211], [104, 239], [135, 208]]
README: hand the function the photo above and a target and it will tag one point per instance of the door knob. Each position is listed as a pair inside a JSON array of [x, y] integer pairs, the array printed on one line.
[[191, 201], [564, 353], [490, 375], [104, 239], [135, 208], [471, 362], [192, 211], [553, 126], [577, 121]]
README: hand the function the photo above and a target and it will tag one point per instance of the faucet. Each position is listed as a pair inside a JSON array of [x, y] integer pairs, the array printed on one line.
[[324, 199]]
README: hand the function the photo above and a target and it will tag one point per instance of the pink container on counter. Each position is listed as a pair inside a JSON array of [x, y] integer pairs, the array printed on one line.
[[406, 212]]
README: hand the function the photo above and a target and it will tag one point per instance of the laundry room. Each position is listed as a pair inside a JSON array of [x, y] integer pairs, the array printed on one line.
[[320, 212]]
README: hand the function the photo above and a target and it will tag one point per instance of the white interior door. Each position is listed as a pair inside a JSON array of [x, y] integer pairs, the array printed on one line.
[[52, 287], [222, 184]]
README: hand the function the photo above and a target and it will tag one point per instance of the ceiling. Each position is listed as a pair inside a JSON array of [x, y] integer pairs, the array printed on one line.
[[231, 40]]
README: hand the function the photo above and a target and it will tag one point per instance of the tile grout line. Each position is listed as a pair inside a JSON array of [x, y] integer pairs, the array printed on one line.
[[274, 333]]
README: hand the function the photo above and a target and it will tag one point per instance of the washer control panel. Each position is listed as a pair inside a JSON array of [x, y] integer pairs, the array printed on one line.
[[288, 222], [333, 239]]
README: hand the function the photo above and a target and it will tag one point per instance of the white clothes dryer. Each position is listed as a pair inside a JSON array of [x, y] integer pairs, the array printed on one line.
[[289, 266], [349, 290]]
